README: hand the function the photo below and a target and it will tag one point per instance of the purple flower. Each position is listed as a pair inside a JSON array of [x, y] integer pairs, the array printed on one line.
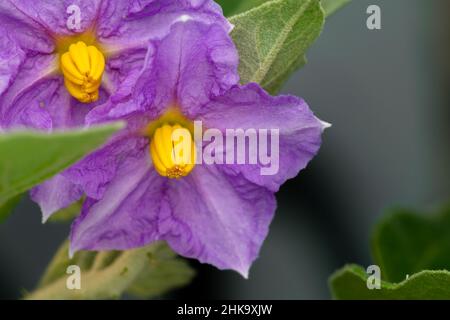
[[218, 214], [139, 187], [61, 58]]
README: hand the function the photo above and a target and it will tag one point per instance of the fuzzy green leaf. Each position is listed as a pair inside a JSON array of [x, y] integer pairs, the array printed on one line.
[[7, 207], [350, 283], [272, 39], [406, 242], [331, 6], [165, 272], [412, 251], [29, 158], [233, 7], [109, 274]]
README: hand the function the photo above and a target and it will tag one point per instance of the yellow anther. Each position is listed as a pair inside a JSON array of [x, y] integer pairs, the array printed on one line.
[[173, 151], [83, 67]]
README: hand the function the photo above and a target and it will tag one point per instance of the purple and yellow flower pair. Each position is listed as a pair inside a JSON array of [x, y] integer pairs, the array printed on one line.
[[159, 64]]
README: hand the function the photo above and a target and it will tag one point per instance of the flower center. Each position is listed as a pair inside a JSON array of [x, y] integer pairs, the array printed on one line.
[[173, 151], [83, 67]]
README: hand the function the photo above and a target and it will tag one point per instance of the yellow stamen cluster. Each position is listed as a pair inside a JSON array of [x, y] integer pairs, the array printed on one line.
[[173, 151], [83, 67]]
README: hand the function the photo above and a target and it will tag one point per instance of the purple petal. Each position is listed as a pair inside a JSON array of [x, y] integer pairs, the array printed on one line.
[[122, 72], [52, 16], [36, 99], [77, 113], [127, 24], [55, 194], [216, 219], [194, 63], [30, 89], [249, 107], [11, 57], [27, 33], [126, 63], [126, 217], [63, 110], [95, 172], [45, 105]]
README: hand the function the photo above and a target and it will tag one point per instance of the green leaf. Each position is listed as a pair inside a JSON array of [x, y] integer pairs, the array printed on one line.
[[109, 274], [29, 158], [272, 39], [58, 266], [350, 283], [232, 7], [331, 6], [228, 6], [406, 242], [165, 272], [405, 245], [7, 207], [67, 214]]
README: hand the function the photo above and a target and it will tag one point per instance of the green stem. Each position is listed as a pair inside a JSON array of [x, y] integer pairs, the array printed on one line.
[[109, 282]]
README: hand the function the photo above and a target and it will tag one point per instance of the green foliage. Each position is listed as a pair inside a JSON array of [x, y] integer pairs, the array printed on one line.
[[413, 253], [165, 272], [406, 242], [272, 39], [272, 36], [7, 207], [29, 158], [349, 283], [67, 214], [331, 6], [146, 272], [233, 7]]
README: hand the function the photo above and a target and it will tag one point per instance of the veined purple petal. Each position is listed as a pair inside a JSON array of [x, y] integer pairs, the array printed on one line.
[[38, 99], [27, 34], [11, 57], [122, 72], [28, 89], [52, 15], [123, 27], [249, 107], [55, 194], [92, 174], [95, 172], [216, 219], [127, 24], [194, 63], [207, 216], [45, 105], [77, 112], [126, 217]]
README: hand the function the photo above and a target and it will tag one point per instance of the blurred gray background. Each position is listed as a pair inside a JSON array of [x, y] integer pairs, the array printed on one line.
[[386, 92]]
